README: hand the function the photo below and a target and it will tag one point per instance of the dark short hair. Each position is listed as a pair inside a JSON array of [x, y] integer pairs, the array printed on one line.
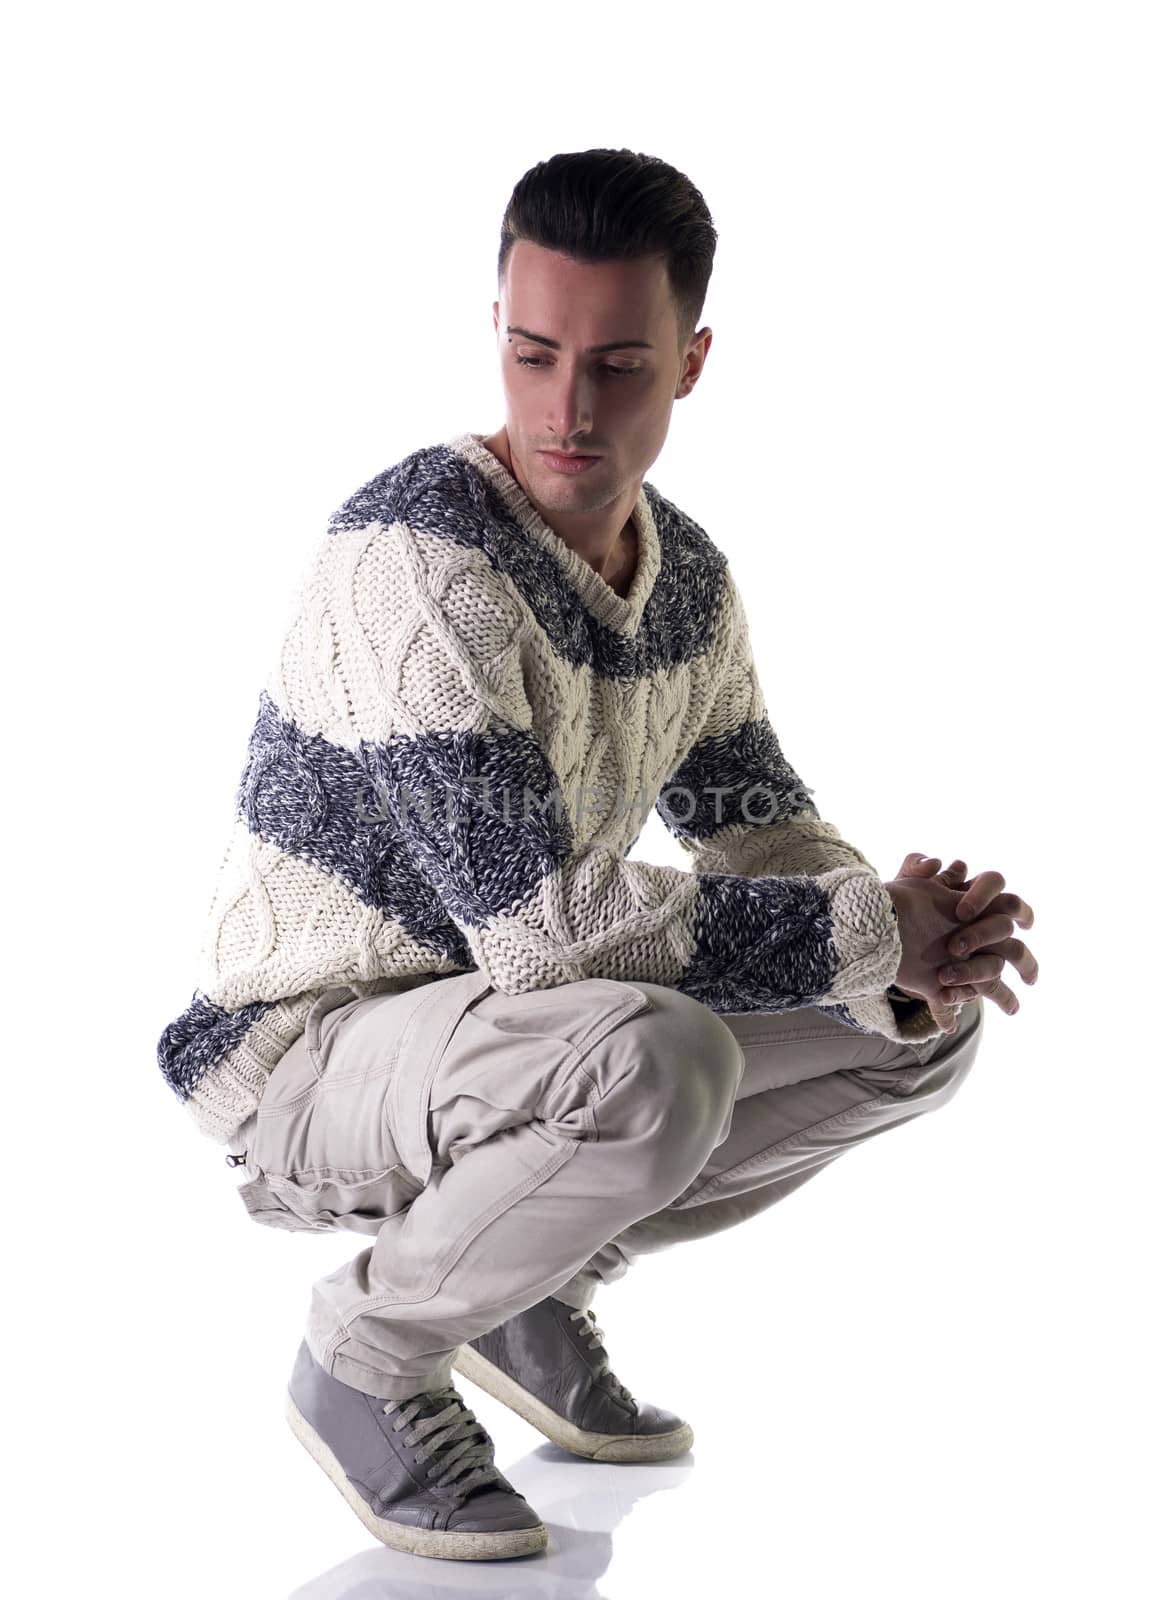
[[615, 205]]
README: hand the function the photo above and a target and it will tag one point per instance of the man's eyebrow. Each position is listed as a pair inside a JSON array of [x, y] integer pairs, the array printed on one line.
[[595, 349]]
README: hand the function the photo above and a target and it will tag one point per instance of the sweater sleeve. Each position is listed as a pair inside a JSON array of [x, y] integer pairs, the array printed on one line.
[[544, 897], [737, 806]]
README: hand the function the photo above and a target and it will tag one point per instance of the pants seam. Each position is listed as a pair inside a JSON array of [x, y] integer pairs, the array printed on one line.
[[808, 1035], [851, 1113], [441, 1269]]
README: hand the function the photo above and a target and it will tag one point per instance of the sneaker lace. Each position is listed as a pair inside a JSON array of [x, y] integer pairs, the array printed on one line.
[[603, 1373], [449, 1436]]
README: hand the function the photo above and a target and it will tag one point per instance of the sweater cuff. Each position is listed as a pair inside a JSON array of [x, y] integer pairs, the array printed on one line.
[[911, 1022], [870, 951], [867, 948]]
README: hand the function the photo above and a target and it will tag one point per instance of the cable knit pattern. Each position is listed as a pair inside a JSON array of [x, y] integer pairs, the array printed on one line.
[[455, 750]]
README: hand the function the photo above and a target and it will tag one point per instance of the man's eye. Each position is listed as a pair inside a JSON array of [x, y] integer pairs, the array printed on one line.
[[536, 361]]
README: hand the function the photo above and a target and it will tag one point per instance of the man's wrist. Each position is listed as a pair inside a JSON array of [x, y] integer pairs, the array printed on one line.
[[894, 992]]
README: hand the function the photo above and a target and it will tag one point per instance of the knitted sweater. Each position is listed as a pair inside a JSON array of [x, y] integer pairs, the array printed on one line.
[[458, 743]]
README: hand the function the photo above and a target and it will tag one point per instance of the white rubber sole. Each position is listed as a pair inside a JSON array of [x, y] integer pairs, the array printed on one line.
[[452, 1545], [471, 1364]]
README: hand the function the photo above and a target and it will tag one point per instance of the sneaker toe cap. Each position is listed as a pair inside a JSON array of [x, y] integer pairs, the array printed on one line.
[[654, 1419], [493, 1511]]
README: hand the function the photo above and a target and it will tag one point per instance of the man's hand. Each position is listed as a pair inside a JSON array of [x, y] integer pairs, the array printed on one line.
[[978, 914]]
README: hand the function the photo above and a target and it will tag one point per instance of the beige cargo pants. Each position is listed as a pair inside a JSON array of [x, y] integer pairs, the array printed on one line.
[[500, 1148]]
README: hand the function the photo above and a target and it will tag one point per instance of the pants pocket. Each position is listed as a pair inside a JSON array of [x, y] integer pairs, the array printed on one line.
[[327, 1200], [321, 1146], [265, 1206], [517, 1058]]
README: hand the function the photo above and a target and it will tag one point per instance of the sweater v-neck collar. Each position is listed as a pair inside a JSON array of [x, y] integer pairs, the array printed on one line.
[[621, 615]]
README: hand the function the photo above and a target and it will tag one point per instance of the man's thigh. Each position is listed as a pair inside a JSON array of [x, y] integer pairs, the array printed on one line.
[[785, 1047], [380, 1089], [807, 1095]]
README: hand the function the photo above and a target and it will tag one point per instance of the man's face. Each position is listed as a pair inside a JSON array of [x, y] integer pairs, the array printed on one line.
[[615, 403]]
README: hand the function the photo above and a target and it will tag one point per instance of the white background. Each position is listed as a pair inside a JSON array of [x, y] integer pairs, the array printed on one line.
[[250, 264]]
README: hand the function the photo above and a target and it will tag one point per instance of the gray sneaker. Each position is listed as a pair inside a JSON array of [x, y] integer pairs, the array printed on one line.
[[419, 1473], [548, 1364]]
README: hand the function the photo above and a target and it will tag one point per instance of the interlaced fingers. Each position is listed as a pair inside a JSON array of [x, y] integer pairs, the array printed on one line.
[[603, 1374], [450, 1436]]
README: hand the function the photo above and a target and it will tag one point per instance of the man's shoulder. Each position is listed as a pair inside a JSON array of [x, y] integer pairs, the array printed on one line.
[[428, 513], [432, 485], [416, 540]]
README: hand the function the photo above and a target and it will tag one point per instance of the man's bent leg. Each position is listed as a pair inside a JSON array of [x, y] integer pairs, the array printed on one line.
[[554, 1120], [811, 1089]]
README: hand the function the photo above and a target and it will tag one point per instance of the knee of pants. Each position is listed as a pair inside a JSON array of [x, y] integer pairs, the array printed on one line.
[[946, 1068], [680, 1088]]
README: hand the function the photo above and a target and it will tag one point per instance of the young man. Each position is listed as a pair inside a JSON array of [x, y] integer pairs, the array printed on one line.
[[440, 1006]]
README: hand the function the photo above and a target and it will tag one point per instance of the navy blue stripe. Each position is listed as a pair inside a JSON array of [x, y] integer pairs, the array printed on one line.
[[318, 802], [436, 491], [474, 811], [747, 762], [761, 944], [200, 1038]]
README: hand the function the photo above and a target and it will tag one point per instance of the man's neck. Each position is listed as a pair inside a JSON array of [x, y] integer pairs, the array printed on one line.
[[612, 552]]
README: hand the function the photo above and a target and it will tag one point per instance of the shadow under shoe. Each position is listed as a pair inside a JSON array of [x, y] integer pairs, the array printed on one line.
[[548, 1364], [419, 1473]]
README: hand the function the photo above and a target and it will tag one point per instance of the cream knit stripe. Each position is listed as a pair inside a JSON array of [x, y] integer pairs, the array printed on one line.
[[535, 948], [801, 843], [227, 1095], [370, 654], [280, 924], [865, 932]]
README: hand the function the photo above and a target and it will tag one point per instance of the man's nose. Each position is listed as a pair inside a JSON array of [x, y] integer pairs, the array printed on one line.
[[571, 406]]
